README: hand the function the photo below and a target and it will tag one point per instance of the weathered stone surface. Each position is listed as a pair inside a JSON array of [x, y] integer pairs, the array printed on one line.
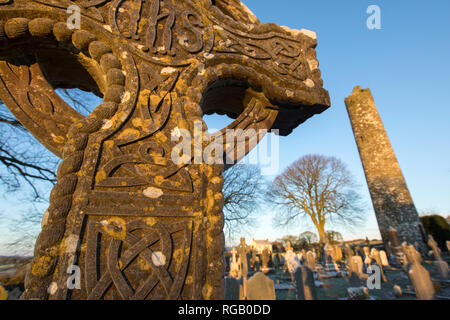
[[440, 264], [390, 195], [231, 288], [3, 294], [358, 293], [260, 287], [419, 276], [305, 283], [137, 224]]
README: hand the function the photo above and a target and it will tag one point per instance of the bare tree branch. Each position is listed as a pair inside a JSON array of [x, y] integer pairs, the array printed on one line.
[[320, 189]]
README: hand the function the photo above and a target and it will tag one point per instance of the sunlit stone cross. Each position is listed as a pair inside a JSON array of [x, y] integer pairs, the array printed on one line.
[[125, 218]]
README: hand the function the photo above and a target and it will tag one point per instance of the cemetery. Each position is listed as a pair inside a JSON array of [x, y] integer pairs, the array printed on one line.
[[140, 206]]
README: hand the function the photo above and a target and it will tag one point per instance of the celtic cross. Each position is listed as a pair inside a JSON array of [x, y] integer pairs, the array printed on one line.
[[137, 224]]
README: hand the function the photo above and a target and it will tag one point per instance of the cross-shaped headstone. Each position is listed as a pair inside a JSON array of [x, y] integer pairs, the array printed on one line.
[[140, 182]]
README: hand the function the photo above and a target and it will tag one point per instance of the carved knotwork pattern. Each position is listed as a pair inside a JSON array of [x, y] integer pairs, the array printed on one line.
[[120, 203], [131, 250]]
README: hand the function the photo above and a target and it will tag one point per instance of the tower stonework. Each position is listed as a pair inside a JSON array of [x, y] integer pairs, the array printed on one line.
[[391, 199]]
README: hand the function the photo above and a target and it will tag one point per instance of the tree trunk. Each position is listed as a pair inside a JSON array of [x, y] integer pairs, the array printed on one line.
[[322, 235]]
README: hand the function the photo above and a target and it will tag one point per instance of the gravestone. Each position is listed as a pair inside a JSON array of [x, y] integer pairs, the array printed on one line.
[[419, 276], [265, 261], [384, 258], [243, 249], [305, 283], [140, 217], [292, 262], [348, 253], [260, 287], [375, 255], [440, 264], [355, 274], [396, 246], [231, 288], [367, 258], [311, 260], [391, 198], [234, 265], [358, 293], [338, 256]]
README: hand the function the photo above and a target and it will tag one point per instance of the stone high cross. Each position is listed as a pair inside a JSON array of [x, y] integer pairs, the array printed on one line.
[[135, 223]]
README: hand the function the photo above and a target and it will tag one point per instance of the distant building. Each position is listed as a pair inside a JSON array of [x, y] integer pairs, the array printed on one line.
[[260, 245]]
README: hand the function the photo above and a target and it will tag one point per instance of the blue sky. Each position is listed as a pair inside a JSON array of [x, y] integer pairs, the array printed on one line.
[[405, 64]]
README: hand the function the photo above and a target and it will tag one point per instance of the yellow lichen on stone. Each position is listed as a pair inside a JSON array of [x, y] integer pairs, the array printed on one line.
[[207, 291], [42, 267], [143, 264], [116, 228], [129, 134], [101, 175], [151, 221], [3, 294]]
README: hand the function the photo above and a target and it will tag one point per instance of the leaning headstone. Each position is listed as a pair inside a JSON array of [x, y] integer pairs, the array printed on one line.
[[311, 260], [260, 287], [418, 275], [440, 264], [355, 272], [338, 255], [384, 258], [358, 293], [306, 286], [396, 247], [231, 288], [375, 255]]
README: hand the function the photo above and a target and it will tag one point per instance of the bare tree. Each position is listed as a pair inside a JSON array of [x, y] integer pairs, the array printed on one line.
[[242, 191], [334, 237], [308, 237], [320, 189], [28, 171]]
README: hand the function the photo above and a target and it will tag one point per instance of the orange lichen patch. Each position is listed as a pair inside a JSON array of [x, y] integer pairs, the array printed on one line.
[[189, 280], [155, 100], [101, 175], [161, 137], [143, 264], [116, 228], [207, 291], [58, 139], [129, 134], [159, 179], [109, 144], [42, 267], [151, 221], [178, 256], [137, 122], [3, 294], [216, 180]]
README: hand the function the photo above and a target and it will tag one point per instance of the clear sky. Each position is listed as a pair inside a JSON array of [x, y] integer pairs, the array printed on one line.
[[405, 64]]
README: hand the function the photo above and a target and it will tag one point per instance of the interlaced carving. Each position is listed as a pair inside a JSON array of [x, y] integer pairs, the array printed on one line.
[[139, 225]]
